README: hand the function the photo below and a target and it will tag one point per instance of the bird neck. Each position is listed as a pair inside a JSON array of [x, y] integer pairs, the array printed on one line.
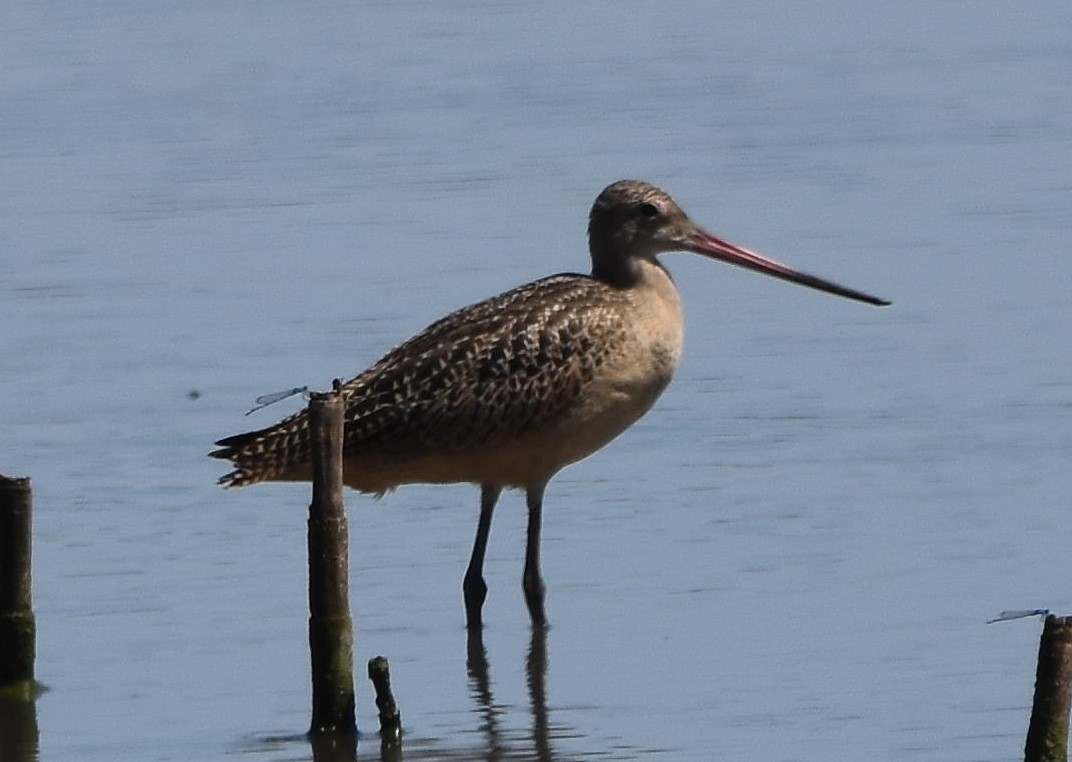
[[625, 270]]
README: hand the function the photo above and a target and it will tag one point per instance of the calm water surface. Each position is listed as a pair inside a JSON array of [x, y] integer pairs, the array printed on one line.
[[791, 558]]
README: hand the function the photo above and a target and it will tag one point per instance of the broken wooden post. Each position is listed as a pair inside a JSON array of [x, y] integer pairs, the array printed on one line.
[[1047, 733], [379, 672], [18, 631], [330, 629]]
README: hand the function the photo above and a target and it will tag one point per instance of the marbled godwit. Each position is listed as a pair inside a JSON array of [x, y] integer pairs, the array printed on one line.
[[507, 392]]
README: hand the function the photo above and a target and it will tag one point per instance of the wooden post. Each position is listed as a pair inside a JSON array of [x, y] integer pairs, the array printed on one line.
[[330, 629], [379, 672], [1047, 734], [18, 631]]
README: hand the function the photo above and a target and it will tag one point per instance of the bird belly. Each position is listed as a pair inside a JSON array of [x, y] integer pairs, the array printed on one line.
[[612, 402]]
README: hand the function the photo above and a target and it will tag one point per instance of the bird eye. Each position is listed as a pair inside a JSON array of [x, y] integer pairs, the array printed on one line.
[[647, 209]]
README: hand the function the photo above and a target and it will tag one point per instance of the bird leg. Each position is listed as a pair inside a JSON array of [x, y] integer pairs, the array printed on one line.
[[531, 581], [473, 586]]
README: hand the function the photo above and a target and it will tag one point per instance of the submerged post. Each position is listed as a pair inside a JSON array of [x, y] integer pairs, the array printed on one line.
[[1047, 733], [18, 631], [379, 672], [330, 629]]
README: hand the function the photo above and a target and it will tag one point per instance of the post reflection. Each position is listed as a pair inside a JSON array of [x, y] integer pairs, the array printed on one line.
[[19, 739], [327, 747]]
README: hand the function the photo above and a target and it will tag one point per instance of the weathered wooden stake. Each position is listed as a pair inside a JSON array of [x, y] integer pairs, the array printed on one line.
[[1047, 734], [331, 637], [18, 630], [379, 672]]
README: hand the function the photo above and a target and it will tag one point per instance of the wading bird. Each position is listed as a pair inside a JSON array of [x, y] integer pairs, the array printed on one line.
[[506, 392]]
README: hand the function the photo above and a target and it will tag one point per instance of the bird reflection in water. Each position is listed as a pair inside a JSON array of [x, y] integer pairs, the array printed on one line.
[[500, 744]]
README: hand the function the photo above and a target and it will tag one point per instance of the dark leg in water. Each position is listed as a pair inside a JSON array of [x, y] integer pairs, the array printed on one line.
[[531, 581], [473, 586]]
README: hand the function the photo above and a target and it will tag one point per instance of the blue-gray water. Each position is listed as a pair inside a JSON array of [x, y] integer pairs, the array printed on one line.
[[791, 558]]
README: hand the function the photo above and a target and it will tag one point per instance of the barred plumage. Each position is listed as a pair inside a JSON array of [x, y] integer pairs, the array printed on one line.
[[481, 377]]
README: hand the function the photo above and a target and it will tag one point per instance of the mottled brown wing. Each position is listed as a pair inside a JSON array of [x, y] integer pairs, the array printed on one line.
[[477, 377]]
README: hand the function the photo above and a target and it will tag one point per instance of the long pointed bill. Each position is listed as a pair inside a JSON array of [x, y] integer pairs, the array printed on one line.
[[702, 242]]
